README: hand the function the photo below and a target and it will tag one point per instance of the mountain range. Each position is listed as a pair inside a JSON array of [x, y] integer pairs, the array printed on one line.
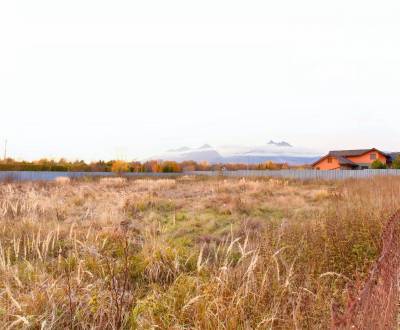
[[278, 152]]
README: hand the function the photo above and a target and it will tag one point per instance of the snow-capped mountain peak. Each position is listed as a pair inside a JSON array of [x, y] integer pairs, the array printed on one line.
[[280, 144], [205, 146], [279, 152]]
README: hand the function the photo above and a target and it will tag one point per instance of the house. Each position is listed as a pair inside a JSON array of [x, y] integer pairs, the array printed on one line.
[[353, 159]]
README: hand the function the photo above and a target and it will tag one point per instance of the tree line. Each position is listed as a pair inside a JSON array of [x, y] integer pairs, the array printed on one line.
[[119, 166]]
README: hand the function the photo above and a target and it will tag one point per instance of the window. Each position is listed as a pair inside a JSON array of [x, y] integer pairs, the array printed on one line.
[[329, 160], [372, 156]]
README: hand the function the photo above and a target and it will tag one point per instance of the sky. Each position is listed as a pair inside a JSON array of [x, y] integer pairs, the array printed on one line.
[[95, 79]]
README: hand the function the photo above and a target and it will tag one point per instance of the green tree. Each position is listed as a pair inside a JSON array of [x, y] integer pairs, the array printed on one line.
[[396, 163], [378, 165]]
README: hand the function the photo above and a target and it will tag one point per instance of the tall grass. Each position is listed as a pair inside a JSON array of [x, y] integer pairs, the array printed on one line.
[[174, 254]]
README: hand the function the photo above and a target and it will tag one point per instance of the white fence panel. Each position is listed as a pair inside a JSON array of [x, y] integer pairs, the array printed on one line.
[[288, 174]]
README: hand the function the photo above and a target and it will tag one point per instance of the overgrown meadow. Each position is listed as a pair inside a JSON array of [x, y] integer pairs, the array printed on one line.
[[186, 253]]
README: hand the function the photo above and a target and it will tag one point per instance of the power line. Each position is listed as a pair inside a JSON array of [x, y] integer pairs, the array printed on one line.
[[5, 149]]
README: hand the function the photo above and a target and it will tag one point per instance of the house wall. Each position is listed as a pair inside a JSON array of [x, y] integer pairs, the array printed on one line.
[[325, 165], [365, 159], [361, 160]]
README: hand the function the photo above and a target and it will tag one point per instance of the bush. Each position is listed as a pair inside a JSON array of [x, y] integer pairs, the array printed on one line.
[[396, 163], [378, 165]]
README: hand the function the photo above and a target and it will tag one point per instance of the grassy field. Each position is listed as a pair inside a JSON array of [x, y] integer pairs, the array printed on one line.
[[189, 253]]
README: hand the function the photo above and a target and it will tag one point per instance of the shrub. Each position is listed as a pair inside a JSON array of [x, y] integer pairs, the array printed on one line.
[[396, 163], [378, 165]]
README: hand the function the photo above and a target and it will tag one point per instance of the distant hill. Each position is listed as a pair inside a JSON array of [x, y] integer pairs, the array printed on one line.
[[210, 155], [279, 144], [277, 152], [291, 160]]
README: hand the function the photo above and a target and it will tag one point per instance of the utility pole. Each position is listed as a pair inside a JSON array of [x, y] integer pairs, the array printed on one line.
[[5, 149]]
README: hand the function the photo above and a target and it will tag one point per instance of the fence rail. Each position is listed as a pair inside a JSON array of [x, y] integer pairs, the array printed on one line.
[[288, 174], [305, 174]]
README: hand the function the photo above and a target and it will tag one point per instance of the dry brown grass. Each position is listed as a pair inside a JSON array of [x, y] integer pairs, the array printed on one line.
[[113, 182], [62, 180], [174, 254], [154, 184], [376, 305]]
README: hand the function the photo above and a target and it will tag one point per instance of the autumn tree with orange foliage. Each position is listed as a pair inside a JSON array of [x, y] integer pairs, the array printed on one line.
[[119, 166]]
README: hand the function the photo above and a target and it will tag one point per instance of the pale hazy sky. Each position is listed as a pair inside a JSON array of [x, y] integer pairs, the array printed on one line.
[[105, 79]]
